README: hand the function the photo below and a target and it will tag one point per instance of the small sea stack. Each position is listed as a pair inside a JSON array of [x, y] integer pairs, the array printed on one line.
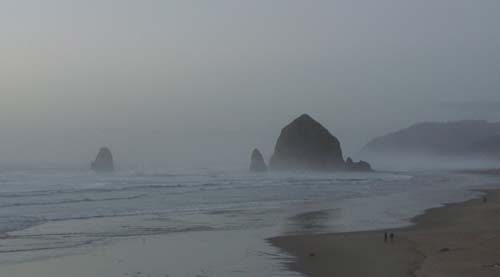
[[257, 163], [357, 166], [104, 161]]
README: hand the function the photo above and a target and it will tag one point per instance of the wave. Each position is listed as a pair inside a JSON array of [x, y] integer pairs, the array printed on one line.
[[16, 223], [70, 201], [34, 193], [81, 239], [183, 185]]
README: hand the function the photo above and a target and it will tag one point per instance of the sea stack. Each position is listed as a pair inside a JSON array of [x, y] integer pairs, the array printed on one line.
[[103, 161], [257, 163], [357, 166], [305, 144]]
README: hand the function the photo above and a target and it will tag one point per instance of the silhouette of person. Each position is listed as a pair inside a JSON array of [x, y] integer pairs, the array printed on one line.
[[385, 237], [392, 237], [485, 200]]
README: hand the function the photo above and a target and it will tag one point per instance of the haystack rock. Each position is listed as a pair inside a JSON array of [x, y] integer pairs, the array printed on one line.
[[305, 144], [257, 163], [103, 161]]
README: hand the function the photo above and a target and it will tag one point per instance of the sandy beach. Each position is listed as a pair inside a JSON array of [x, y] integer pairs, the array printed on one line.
[[455, 240], [232, 240]]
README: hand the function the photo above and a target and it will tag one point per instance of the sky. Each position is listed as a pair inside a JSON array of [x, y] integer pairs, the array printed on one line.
[[179, 82]]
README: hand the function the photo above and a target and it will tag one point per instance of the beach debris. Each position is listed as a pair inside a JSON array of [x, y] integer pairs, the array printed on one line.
[[446, 249], [312, 254]]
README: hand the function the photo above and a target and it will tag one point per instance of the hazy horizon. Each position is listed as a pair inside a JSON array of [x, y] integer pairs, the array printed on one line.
[[203, 83]]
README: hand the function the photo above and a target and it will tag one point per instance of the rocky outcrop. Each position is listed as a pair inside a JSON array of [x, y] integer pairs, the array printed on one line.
[[103, 161], [357, 166], [257, 163], [305, 144]]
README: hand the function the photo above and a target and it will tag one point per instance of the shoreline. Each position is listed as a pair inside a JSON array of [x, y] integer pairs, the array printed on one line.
[[239, 251], [457, 239]]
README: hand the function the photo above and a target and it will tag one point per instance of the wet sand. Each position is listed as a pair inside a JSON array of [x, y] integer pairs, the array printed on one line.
[[455, 240], [210, 253]]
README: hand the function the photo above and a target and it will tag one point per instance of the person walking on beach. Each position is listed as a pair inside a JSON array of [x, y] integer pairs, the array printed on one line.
[[392, 237], [385, 237]]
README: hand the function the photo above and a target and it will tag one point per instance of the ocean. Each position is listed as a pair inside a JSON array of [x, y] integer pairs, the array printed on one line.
[[221, 218]]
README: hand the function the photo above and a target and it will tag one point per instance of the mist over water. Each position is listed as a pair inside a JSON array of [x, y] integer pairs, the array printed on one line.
[[176, 83], [416, 161], [181, 92]]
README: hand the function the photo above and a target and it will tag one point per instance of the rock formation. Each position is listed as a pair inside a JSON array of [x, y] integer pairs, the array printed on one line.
[[357, 166], [103, 161], [305, 144], [257, 163]]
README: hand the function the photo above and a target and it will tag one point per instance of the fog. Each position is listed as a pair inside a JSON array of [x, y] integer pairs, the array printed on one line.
[[201, 83], [417, 161]]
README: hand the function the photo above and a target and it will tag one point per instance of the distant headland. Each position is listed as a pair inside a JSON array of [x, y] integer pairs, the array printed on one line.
[[438, 143]]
